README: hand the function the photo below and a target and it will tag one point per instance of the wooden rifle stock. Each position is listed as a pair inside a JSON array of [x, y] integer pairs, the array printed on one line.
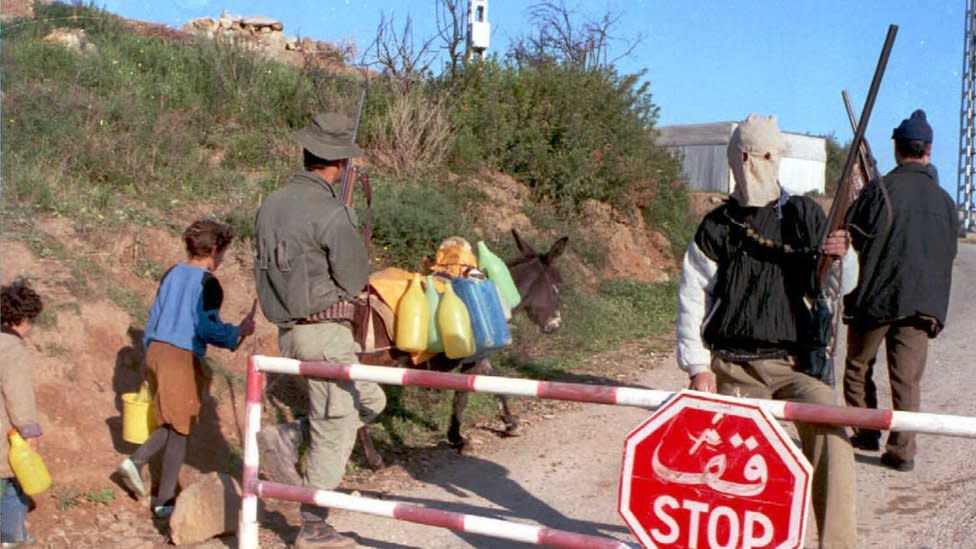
[[844, 197]]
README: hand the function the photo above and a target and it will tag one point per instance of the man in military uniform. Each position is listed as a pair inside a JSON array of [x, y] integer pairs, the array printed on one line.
[[311, 261]]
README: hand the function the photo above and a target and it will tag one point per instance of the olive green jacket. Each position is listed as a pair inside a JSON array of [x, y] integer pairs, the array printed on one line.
[[310, 253], [17, 407]]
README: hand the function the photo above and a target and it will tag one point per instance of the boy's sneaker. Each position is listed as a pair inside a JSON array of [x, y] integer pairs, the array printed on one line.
[[163, 511], [131, 477]]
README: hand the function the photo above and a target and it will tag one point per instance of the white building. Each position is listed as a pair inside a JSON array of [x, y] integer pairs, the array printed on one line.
[[705, 166]]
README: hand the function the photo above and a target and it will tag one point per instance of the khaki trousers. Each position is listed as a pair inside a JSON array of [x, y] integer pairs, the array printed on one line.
[[826, 447], [337, 409], [907, 348]]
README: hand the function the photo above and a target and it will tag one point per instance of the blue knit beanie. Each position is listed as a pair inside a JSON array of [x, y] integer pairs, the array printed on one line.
[[914, 128]]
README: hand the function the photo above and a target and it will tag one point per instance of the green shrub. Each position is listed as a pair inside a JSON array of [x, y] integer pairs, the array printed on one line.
[[105, 496], [410, 219], [569, 133], [668, 210]]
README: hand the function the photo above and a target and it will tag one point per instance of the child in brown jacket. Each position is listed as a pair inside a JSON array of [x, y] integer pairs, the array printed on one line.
[[19, 307]]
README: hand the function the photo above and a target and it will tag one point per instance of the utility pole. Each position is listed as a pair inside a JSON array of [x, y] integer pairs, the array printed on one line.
[[965, 198], [479, 30]]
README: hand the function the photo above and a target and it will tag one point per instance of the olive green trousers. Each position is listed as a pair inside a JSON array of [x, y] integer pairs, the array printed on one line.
[[337, 408]]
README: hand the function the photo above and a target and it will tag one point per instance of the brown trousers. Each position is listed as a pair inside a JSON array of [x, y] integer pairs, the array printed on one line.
[[907, 349], [825, 447]]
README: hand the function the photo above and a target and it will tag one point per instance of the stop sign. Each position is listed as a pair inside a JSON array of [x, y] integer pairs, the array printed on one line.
[[710, 471]]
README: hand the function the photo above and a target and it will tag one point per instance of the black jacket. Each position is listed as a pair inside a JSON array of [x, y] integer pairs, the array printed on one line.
[[759, 288], [906, 270]]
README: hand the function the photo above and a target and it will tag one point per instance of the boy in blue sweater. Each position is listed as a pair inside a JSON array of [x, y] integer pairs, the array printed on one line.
[[183, 320]]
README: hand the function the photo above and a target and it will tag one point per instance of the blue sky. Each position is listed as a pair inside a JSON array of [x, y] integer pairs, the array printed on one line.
[[710, 60]]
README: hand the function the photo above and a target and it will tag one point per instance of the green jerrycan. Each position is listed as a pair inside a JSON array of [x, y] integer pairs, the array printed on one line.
[[499, 274], [434, 343]]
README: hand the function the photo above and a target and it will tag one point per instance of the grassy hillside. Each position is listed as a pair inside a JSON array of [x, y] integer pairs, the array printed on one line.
[[142, 134]]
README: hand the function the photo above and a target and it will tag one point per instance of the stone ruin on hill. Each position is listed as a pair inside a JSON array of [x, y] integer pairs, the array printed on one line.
[[266, 35]]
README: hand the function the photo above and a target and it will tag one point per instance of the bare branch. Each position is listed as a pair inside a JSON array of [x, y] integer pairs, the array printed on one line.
[[450, 18], [560, 36], [394, 53]]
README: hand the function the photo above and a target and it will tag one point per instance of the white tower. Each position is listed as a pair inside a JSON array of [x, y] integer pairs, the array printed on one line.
[[479, 30], [965, 198]]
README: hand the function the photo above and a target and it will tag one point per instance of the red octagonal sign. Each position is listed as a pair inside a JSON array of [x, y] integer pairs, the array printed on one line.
[[710, 471]]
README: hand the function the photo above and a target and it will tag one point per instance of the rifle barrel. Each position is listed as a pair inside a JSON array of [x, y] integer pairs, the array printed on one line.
[[842, 200], [865, 157], [345, 187]]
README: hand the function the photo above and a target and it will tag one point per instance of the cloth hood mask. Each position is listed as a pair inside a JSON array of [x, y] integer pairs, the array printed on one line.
[[756, 179]]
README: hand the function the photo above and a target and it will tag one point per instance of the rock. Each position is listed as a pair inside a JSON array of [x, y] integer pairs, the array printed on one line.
[[137, 542], [260, 21], [103, 521], [72, 39], [206, 509], [12, 9], [188, 476]]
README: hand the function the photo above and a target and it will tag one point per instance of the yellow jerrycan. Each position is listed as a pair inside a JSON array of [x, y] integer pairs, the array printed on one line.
[[138, 415], [454, 322], [412, 319], [28, 466]]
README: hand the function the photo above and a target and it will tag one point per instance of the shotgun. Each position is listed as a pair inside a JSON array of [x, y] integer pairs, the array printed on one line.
[[867, 171], [844, 197], [817, 334], [866, 163], [348, 183]]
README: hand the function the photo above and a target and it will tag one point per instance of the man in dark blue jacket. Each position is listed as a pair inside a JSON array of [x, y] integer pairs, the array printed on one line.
[[902, 295]]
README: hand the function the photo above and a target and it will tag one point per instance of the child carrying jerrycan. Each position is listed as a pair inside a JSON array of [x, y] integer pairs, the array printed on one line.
[[22, 472]]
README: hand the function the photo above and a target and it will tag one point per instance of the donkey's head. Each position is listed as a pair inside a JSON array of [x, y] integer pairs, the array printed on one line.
[[538, 282]]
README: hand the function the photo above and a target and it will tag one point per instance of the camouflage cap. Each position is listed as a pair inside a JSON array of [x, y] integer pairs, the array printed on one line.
[[330, 136]]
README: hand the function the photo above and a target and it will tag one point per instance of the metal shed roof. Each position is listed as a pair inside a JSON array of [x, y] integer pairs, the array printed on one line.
[[806, 147]]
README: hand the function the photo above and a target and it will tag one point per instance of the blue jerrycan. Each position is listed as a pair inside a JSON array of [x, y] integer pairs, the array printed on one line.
[[488, 324]]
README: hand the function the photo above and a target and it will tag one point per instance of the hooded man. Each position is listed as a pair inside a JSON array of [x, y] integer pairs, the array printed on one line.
[[311, 261], [903, 292], [743, 304]]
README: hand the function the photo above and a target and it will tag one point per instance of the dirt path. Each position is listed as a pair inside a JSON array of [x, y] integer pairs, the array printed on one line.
[[563, 472]]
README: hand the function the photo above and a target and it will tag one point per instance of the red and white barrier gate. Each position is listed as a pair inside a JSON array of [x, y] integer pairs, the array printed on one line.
[[253, 488], [940, 424]]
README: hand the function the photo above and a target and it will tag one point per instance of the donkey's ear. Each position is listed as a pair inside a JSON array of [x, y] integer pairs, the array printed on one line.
[[557, 249], [523, 248]]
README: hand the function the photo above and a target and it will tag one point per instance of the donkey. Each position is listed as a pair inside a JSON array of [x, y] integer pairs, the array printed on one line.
[[538, 282]]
